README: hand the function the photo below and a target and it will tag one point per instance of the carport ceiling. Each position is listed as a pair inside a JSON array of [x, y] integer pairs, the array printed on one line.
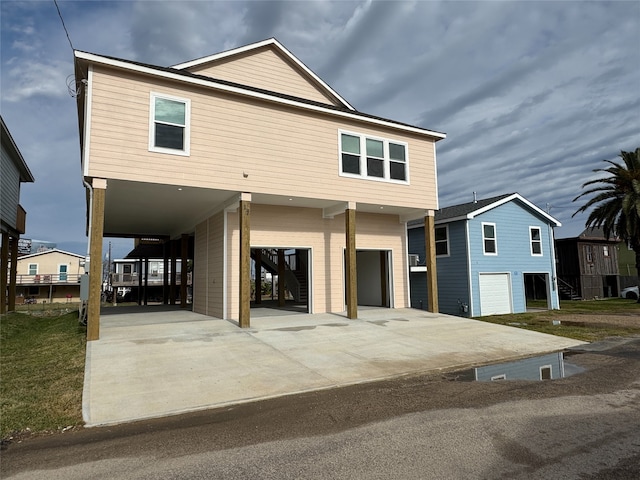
[[150, 209]]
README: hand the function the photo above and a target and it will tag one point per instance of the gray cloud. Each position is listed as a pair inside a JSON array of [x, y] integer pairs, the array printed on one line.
[[532, 95]]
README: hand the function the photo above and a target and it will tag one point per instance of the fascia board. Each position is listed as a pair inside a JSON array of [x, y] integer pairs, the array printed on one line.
[[510, 198], [255, 46], [90, 57]]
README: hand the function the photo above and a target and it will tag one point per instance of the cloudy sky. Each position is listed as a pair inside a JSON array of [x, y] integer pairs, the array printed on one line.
[[532, 95]]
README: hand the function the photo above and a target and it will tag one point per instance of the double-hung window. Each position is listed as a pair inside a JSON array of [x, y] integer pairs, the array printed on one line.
[[535, 235], [373, 158], [169, 124], [489, 244], [33, 269], [442, 241]]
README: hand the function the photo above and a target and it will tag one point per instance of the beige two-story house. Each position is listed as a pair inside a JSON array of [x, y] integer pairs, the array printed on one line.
[[253, 157]]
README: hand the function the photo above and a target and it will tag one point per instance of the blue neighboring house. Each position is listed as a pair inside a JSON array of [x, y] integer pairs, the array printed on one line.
[[493, 256]]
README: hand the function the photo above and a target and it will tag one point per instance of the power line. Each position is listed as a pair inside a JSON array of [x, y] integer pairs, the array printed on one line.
[[63, 25]]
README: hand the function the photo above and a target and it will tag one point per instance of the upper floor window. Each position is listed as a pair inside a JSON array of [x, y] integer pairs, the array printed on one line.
[[588, 254], [489, 244], [442, 241], [373, 158], [33, 269], [605, 250], [169, 124], [536, 240]]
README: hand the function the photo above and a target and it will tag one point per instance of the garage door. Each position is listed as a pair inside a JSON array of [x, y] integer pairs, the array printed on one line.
[[495, 293]]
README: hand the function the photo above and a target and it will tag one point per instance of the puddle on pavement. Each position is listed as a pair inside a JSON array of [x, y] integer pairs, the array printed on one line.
[[544, 367], [551, 366]]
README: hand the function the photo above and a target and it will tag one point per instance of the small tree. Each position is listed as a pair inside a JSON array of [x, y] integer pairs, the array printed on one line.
[[616, 201]]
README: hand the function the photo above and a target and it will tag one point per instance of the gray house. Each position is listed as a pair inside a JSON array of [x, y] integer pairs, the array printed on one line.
[[13, 172]]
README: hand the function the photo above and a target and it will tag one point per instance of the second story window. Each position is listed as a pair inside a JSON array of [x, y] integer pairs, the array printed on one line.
[[373, 158], [605, 250], [489, 239], [169, 124], [33, 269], [536, 240], [442, 241]]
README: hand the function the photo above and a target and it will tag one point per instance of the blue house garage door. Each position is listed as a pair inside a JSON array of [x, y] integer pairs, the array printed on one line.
[[495, 293]]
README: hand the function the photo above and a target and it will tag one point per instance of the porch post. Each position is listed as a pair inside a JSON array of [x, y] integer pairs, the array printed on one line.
[[184, 247], [430, 247], [245, 260], [4, 269], [351, 274], [281, 273], [258, 276], [13, 253], [140, 278], [95, 258]]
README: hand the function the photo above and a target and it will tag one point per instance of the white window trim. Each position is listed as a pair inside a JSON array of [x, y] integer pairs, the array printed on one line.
[[495, 239], [502, 376], [363, 158], [29, 269], [446, 227], [152, 123], [533, 254], [545, 367]]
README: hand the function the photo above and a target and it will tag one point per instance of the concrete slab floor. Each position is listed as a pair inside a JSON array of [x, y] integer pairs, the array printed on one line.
[[157, 362]]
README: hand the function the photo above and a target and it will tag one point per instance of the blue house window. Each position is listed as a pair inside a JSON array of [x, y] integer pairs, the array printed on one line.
[[536, 241], [489, 239], [442, 241]]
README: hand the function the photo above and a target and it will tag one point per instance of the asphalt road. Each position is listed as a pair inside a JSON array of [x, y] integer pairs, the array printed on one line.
[[586, 426]]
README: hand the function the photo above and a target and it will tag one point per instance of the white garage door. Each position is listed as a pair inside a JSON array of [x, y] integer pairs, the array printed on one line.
[[495, 293]]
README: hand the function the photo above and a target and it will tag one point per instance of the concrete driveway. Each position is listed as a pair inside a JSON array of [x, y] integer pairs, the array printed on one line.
[[153, 362]]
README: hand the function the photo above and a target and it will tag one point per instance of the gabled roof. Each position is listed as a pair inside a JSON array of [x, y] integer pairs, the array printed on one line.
[[467, 211], [14, 153], [47, 252], [245, 90], [273, 43]]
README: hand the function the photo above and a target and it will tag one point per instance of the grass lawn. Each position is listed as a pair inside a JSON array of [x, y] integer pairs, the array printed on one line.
[[41, 371], [588, 320]]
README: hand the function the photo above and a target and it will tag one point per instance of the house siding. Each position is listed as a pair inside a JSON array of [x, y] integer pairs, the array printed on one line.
[[526, 369], [266, 69], [514, 251], [452, 271], [208, 269], [305, 228], [240, 144], [9, 190]]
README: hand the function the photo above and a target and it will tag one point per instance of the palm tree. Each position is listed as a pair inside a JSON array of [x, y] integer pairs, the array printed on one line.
[[617, 201]]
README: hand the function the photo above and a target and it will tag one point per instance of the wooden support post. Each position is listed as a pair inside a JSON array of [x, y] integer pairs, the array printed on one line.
[[258, 256], [4, 270], [351, 274], [95, 258], [245, 260], [430, 244], [282, 301], [184, 258], [13, 255], [174, 275], [384, 294]]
